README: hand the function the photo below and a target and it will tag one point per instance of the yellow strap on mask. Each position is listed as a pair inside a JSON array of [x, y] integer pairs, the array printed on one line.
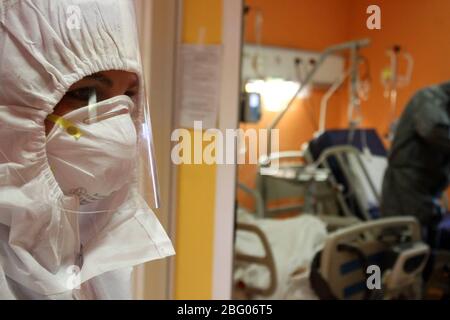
[[70, 128]]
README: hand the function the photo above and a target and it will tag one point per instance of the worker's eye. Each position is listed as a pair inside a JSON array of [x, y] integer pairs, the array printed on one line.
[[131, 93], [81, 94]]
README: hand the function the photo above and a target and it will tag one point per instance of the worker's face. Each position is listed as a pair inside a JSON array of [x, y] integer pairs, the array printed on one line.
[[107, 84]]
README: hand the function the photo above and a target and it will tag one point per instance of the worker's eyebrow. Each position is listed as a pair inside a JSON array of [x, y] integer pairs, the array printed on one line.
[[101, 78]]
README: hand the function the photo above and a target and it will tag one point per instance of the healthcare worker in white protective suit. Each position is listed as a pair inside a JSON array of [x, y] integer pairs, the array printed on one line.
[[75, 152]]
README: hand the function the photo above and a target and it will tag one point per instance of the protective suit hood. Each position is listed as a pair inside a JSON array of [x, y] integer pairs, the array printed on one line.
[[43, 52]]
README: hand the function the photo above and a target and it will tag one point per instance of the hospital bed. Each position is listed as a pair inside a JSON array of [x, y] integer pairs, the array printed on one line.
[[276, 274], [394, 245], [293, 187], [262, 262], [248, 291], [357, 159], [352, 167], [339, 173], [305, 178], [337, 267], [267, 251]]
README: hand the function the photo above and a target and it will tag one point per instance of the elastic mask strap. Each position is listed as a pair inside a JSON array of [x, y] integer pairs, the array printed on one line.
[[68, 126]]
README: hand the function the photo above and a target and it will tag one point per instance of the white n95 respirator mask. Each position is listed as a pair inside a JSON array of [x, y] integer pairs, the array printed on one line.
[[92, 150]]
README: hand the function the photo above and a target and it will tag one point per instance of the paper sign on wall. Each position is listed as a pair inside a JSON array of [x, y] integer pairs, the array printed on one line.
[[200, 85]]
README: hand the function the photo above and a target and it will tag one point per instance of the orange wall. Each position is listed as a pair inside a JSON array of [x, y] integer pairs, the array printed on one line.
[[421, 27], [302, 24]]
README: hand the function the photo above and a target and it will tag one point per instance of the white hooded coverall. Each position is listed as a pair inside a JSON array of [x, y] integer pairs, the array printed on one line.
[[41, 56]]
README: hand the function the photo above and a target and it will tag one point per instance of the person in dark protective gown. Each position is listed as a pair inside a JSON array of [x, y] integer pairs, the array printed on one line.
[[419, 160]]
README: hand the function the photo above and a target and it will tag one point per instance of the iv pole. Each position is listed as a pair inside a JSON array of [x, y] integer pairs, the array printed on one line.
[[354, 46]]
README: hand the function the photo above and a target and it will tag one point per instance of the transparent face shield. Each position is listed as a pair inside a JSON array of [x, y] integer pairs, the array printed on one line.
[[102, 152]]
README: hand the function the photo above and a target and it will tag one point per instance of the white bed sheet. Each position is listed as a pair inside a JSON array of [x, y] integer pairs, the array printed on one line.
[[293, 242]]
